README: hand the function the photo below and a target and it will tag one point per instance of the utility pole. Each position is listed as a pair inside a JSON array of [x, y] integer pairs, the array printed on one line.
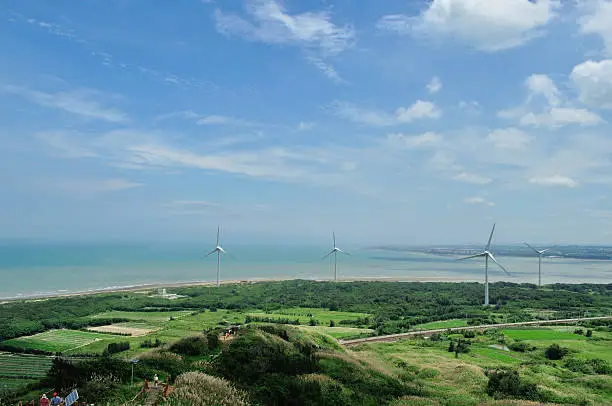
[[133, 362]]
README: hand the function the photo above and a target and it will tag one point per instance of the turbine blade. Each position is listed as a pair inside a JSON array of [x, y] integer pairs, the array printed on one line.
[[482, 254], [548, 249], [218, 232], [211, 252], [334, 235], [499, 265], [535, 250], [328, 254], [490, 238], [342, 252]]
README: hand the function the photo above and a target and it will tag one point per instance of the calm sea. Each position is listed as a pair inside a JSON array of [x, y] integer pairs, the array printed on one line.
[[32, 270]]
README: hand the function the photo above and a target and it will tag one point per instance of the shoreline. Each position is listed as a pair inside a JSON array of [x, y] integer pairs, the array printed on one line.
[[184, 284], [155, 285]]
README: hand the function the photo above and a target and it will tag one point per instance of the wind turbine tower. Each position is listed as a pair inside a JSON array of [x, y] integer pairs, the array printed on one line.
[[540, 253], [219, 251], [487, 256], [335, 252]]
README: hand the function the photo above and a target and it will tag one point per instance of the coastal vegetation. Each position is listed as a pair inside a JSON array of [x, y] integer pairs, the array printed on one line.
[[284, 347]]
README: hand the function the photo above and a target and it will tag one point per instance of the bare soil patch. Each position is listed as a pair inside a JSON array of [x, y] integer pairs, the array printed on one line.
[[118, 329]]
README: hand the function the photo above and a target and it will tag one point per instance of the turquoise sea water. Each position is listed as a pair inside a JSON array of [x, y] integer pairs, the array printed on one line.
[[41, 269]]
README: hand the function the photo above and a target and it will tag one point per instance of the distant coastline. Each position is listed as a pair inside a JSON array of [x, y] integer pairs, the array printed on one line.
[[149, 286]]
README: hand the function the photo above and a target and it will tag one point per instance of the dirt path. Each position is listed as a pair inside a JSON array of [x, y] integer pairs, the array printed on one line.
[[395, 337]]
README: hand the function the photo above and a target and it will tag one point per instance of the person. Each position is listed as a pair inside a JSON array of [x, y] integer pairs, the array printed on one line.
[[156, 380], [44, 400], [56, 399]]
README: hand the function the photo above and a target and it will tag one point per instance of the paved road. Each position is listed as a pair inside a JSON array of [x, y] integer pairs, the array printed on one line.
[[395, 337]]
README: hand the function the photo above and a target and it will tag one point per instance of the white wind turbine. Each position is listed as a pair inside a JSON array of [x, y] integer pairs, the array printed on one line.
[[540, 253], [335, 251], [219, 251], [487, 255]]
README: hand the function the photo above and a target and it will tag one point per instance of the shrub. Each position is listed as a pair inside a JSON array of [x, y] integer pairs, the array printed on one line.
[[508, 384], [589, 366], [555, 352], [520, 346], [332, 324], [198, 389], [148, 343], [462, 347], [212, 337], [579, 331], [469, 334], [451, 346], [191, 346], [312, 322], [589, 333], [435, 337], [114, 348]]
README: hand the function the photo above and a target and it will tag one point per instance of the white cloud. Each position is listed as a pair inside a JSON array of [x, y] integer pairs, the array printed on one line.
[[271, 23], [305, 125], [561, 116], [63, 146], [434, 85], [594, 81], [419, 110], [478, 201], [543, 85], [487, 25], [428, 139], [509, 138], [472, 178], [214, 120], [596, 21], [470, 107], [327, 69], [556, 113], [79, 102], [554, 180]]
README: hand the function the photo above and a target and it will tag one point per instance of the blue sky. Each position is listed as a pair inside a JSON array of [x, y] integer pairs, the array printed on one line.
[[388, 122]]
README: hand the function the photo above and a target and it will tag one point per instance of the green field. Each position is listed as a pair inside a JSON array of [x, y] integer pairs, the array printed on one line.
[[442, 324], [23, 366], [56, 340], [341, 332], [461, 380], [540, 334], [322, 316], [152, 317]]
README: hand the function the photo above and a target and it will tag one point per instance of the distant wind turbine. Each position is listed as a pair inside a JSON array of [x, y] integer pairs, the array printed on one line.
[[219, 251], [540, 253], [335, 251], [487, 255]]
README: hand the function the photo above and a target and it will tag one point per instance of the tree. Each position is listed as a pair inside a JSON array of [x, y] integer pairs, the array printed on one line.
[[555, 352], [451, 346], [504, 384], [332, 324], [589, 333]]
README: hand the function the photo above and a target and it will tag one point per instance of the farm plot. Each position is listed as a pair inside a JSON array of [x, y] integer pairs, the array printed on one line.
[[541, 334], [322, 316], [341, 332], [131, 329], [56, 340], [17, 366], [152, 317]]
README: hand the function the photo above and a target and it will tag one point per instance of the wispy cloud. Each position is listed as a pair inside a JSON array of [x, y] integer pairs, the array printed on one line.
[[554, 180], [270, 22], [555, 113], [83, 187], [108, 59], [489, 26], [425, 140], [595, 20], [434, 85], [476, 179], [81, 102], [478, 201], [419, 110], [327, 69]]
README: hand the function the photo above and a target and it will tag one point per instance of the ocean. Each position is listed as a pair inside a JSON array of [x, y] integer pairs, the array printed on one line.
[[28, 269]]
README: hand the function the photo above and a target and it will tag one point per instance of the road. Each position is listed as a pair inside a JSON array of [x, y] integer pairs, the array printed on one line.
[[395, 337]]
